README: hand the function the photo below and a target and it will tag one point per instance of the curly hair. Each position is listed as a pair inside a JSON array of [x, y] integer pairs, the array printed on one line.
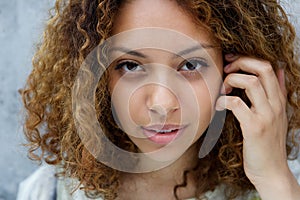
[[257, 28]]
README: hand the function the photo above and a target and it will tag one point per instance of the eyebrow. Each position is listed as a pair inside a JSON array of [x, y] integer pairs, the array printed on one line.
[[181, 53], [195, 48], [128, 51]]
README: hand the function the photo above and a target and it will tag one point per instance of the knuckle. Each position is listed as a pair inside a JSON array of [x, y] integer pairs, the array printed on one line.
[[229, 77], [283, 99], [260, 129], [262, 124], [236, 102], [253, 81], [267, 68], [280, 110], [271, 118]]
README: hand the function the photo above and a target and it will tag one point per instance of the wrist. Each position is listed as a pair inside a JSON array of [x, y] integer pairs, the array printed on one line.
[[278, 188]]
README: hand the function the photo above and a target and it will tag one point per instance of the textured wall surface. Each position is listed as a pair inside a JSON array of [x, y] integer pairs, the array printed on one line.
[[21, 24]]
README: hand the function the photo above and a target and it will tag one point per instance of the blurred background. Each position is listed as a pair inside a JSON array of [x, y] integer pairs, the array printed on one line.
[[21, 26]]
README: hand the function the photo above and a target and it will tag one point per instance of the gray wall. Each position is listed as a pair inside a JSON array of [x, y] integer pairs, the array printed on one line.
[[21, 23]]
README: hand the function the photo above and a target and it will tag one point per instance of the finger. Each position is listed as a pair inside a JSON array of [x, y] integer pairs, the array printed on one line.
[[231, 57], [266, 74], [237, 106], [253, 88], [281, 80]]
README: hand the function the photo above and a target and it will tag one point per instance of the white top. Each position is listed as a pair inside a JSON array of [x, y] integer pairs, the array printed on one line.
[[63, 193], [43, 185]]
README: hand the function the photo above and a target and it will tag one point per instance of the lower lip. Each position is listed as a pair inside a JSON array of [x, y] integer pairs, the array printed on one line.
[[160, 138]]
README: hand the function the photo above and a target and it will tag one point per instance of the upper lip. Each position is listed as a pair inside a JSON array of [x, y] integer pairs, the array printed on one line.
[[160, 127]]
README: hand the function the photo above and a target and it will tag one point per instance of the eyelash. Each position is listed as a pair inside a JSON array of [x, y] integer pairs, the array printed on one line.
[[122, 64], [193, 61]]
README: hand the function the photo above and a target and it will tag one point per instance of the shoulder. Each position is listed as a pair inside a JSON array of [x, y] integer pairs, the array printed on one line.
[[69, 189], [219, 194], [40, 185], [43, 185]]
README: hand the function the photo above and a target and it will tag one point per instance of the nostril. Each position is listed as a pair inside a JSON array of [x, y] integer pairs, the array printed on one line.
[[158, 109], [161, 100], [161, 109]]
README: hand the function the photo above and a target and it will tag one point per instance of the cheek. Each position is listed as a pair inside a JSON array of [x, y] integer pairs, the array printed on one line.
[[205, 101], [207, 91], [130, 110], [137, 109]]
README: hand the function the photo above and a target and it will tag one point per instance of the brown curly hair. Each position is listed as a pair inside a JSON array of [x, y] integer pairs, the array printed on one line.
[[257, 28]]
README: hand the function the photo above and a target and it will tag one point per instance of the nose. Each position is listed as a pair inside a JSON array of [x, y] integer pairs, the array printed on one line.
[[161, 100]]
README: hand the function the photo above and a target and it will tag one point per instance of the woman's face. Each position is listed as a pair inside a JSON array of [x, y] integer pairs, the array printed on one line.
[[165, 76]]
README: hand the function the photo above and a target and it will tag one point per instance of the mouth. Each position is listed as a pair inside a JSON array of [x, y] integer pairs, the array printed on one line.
[[163, 134]]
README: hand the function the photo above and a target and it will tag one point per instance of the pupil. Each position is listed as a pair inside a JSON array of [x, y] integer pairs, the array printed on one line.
[[131, 66], [190, 66]]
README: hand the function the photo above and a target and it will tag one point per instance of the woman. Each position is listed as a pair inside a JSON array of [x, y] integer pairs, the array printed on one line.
[[171, 67]]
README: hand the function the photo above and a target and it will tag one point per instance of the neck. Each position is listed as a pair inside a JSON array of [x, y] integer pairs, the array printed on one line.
[[166, 178], [174, 171]]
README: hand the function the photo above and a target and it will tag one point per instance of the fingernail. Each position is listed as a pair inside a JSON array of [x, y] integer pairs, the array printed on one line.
[[220, 104], [223, 90], [226, 68], [230, 55], [228, 90], [219, 107]]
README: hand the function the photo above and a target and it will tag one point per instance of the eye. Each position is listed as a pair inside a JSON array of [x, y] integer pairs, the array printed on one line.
[[193, 64], [128, 66]]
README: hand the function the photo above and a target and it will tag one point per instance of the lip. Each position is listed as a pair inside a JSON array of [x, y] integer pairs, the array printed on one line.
[[151, 132]]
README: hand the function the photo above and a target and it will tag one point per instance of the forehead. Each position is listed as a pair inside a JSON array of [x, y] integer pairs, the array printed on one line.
[[165, 14]]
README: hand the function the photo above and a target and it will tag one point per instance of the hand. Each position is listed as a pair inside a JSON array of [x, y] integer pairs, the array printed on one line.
[[264, 124]]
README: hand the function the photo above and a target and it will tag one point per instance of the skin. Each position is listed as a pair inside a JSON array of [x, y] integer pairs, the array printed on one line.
[[264, 152], [150, 103], [264, 144]]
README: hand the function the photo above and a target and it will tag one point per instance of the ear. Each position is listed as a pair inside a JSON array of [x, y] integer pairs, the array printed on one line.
[[281, 79]]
